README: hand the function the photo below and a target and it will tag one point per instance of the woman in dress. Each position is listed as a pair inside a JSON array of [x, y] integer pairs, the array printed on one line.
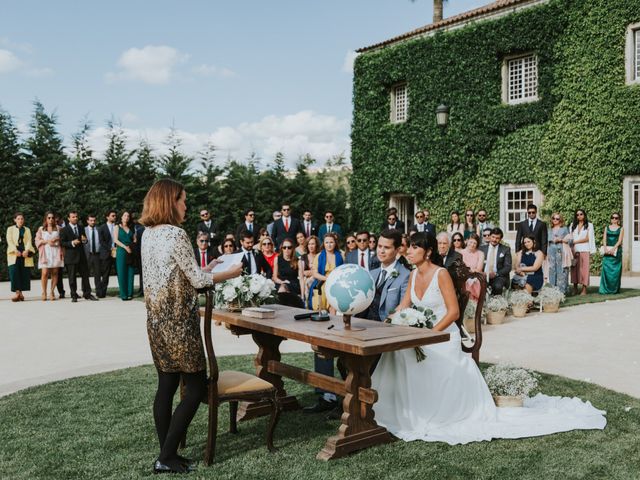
[[124, 236], [228, 247], [324, 263], [469, 224], [229, 237], [300, 241], [444, 397], [529, 262], [267, 249], [455, 225], [402, 251], [612, 259], [559, 253], [285, 269], [474, 259], [305, 265], [457, 242], [50, 254], [20, 254], [172, 276], [583, 239]]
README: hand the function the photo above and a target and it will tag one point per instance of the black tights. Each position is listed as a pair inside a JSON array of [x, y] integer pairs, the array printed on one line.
[[170, 428]]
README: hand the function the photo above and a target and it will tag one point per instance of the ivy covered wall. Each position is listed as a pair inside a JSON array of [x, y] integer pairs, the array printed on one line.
[[576, 142]]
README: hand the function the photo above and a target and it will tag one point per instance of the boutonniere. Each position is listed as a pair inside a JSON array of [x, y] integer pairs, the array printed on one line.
[[394, 273]]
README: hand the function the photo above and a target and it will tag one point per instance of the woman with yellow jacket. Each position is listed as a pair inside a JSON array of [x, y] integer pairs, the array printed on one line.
[[20, 254]]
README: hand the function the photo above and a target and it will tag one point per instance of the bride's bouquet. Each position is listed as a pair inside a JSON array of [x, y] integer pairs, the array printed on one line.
[[418, 317], [243, 291]]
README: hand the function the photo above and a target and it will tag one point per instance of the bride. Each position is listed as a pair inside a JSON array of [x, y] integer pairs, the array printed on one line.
[[444, 397]]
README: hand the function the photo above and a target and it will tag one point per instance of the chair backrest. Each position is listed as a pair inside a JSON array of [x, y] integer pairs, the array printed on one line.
[[460, 273], [211, 354]]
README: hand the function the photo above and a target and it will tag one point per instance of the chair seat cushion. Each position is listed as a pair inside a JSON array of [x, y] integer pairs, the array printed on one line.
[[230, 382]]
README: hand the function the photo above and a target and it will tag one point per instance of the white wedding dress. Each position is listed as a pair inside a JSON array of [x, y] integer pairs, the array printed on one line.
[[444, 398]]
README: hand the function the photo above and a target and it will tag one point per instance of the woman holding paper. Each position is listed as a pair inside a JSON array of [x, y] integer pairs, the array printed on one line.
[[172, 276]]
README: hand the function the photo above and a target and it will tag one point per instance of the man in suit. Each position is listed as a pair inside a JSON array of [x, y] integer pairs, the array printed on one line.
[[92, 251], [309, 227], [72, 237], [60, 285], [393, 222], [253, 261], [362, 255], [207, 226], [422, 223], [249, 225], [285, 227], [202, 252], [105, 234], [448, 254], [329, 226], [497, 262], [532, 226], [483, 223]]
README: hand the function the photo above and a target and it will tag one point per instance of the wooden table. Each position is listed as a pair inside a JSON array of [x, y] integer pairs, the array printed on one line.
[[358, 350]]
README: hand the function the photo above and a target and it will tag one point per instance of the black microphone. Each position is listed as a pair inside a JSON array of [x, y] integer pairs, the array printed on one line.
[[304, 316]]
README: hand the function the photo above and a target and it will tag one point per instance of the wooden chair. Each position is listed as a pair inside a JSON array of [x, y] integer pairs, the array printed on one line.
[[233, 387], [460, 273]]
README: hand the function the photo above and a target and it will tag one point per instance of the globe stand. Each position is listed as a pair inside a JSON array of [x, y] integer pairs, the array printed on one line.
[[347, 325]]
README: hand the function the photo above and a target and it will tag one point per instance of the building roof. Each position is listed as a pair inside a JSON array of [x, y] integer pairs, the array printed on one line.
[[494, 8]]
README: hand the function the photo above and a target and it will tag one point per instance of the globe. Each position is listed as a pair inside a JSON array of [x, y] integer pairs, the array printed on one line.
[[349, 289]]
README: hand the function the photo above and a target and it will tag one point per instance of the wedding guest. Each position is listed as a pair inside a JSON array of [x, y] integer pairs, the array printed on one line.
[[50, 255], [611, 272], [402, 251], [497, 263], [324, 263], [253, 261], [329, 226], [268, 252], [559, 253], [285, 269], [362, 255], [263, 234], [446, 251], [92, 251], [457, 240], [471, 256], [72, 239], [20, 254], [208, 226], [529, 264], [60, 285], [350, 243], [394, 222], [486, 233], [454, 224], [228, 247], [532, 226], [309, 227], [305, 265], [469, 224], [229, 237], [138, 230], [483, 222], [249, 225], [285, 227], [300, 241], [422, 223], [373, 242], [107, 251], [124, 237], [173, 318], [276, 215], [583, 237], [202, 252]]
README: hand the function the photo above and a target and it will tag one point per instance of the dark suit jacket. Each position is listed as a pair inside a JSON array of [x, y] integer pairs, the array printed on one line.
[[399, 226], [314, 228], [262, 266], [428, 227], [451, 257], [539, 232], [279, 232], [242, 228], [105, 241], [209, 255], [212, 231], [503, 262], [370, 257], [322, 231], [72, 255]]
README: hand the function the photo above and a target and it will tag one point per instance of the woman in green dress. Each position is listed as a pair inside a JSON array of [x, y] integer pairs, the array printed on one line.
[[124, 236], [612, 259]]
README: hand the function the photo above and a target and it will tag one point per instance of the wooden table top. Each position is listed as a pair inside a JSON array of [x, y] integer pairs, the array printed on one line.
[[378, 337]]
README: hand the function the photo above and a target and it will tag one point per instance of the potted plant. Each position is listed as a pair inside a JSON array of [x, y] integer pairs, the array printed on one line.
[[550, 298], [519, 300], [509, 385], [497, 307]]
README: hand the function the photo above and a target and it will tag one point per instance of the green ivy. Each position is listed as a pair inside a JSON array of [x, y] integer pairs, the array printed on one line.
[[576, 142]]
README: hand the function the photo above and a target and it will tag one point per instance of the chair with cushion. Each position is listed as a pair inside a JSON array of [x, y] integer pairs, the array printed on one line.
[[233, 387], [460, 273]]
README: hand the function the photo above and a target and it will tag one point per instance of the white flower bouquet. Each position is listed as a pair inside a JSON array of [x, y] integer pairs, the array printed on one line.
[[418, 317], [243, 291], [507, 380], [497, 303]]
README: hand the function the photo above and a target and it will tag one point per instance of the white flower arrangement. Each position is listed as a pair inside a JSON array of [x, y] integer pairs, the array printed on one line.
[[507, 380], [417, 317], [497, 303], [243, 291], [549, 295], [520, 298]]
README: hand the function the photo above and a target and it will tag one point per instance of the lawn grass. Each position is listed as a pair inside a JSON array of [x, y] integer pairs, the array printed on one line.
[[593, 296], [101, 427]]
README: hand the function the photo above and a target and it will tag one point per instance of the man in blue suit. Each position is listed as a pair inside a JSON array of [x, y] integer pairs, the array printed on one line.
[[362, 255], [329, 226]]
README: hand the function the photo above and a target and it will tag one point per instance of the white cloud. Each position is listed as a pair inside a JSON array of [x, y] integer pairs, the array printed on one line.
[[213, 71], [321, 136], [349, 59], [20, 47], [8, 61], [150, 64], [39, 72]]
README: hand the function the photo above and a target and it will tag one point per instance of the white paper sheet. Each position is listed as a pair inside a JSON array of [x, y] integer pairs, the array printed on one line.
[[228, 261]]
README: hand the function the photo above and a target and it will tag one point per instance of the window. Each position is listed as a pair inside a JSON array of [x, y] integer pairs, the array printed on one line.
[[513, 205], [406, 205], [399, 103], [632, 57], [520, 79]]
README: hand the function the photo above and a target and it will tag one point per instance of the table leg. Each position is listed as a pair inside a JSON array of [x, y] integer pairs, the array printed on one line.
[[269, 350], [359, 429]]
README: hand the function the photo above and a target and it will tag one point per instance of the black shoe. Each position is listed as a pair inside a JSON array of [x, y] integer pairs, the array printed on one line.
[[91, 297], [174, 466], [61, 295], [335, 414], [74, 299], [321, 406]]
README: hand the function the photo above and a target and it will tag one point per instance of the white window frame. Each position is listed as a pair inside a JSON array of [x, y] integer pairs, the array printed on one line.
[[515, 60], [506, 190], [397, 115], [632, 54], [402, 202]]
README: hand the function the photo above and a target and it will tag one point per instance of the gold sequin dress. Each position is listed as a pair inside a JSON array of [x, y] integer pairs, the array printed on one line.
[[171, 277]]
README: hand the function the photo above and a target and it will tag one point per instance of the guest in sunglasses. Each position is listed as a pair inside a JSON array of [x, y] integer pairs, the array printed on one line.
[[268, 251], [208, 226], [584, 245], [50, 254], [350, 244], [612, 258], [470, 226], [457, 242], [559, 252], [285, 269]]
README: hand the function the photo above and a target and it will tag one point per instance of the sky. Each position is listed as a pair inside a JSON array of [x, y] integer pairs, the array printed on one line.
[[244, 76]]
